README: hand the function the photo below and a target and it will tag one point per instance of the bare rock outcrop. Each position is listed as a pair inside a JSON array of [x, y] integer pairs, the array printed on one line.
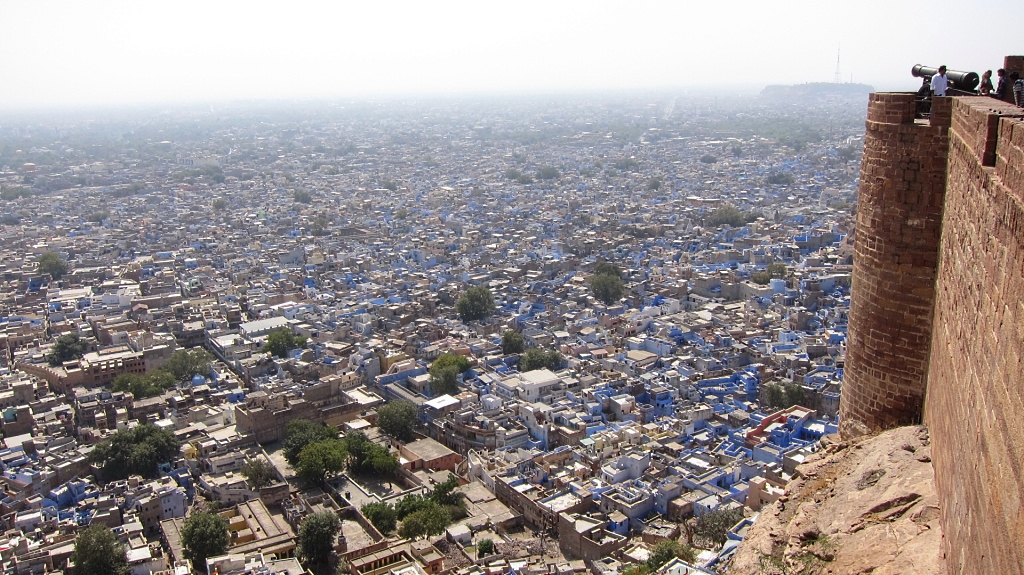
[[867, 506]]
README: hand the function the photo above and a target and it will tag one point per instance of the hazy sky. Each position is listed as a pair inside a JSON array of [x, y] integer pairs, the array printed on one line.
[[94, 51]]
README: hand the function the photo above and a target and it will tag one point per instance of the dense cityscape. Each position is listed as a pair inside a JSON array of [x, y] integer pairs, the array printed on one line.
[[559, 334]]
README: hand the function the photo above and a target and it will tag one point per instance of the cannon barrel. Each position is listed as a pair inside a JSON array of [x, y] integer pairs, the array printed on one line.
[[966, 81]]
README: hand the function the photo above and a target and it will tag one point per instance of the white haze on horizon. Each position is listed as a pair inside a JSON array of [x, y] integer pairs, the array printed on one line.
[[59, 54]]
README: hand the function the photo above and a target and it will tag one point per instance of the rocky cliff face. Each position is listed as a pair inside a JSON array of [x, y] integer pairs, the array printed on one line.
[[867, 506]]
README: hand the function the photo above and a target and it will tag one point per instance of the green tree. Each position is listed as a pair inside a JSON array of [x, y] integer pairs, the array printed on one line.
[[607, 288], [397, 418], [281, 340], [512, 342], [444, 371], [777, 270], [525, 179], [548, 173], [778, 396], [713, 527], [134, 451], [476, 303], [665, 551], [431, 519], [389, 185], [382, 515], [781, 179], [626, 165], [97, 552], [760, 278], [219, 204], [317, 536], [366, 457], [318, 461], [708, 159], [536, 358], [259, 473], [512, 174], [185, 363], [732, 216], [484, 548], [654, 184], [67, 347], [302, 196], [50, 263], [204, 535], [143, 386], [302, 432]]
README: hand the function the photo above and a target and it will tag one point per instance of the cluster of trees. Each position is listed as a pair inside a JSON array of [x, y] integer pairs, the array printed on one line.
[[215, 173], [606, 283], [317, 535], [548, 173], [302, 196], [420, 515], [11, 194], [67, 347], [654, 184], [536, 358], [512, 342], [732, 216], [780, 179], [180, 367], [475, 303], [50, 263], [662, 553], [444, 373], [259, 473], [708, 159], [626, 165], [316, 452], [282, 340], [134, 451], [204, 535], [389, 185], [98, 552], [775, 270], [220, 204], [396, 418], [777, 396]]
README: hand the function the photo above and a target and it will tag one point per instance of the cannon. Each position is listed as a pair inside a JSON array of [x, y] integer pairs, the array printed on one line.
[[964, 82]]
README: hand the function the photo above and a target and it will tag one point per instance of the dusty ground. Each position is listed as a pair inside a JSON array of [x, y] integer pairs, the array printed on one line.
[[863, 507]]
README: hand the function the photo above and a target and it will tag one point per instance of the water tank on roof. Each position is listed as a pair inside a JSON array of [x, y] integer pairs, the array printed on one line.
[[778, 285], [198, 380]]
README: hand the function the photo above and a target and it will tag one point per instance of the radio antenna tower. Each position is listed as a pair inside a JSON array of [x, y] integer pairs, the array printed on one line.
[[838, 79]]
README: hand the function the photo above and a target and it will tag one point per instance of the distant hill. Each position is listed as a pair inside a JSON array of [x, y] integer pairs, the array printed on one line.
[[817, 91]]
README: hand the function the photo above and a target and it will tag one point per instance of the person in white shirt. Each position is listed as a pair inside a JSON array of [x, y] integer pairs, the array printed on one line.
[[940, 82]]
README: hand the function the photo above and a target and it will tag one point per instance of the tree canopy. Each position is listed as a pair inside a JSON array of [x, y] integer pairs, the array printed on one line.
[[321, 459], [713, 527], [302, 432], [606, 283], [302, 196], [97, 552], [281, 341], [536, 358], [134, 451], [259, 473], [444, 371], [732, 216], [185, 363], [397, 418], [430, 519], [783, 396], [317, 535], [143, 386], [204, 535], [67, 347], [367, 457], [50, 263], [475, 304], [382, 514], [512, 342]]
